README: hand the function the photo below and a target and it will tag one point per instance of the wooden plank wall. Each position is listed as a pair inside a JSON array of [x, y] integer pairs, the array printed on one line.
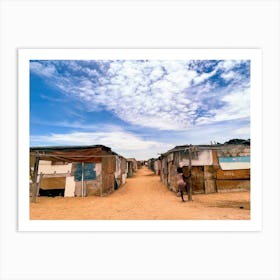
[[197, 179], [233, 185], [53, 183], [108, 174], [210, 179], [233, 174], [173, 178], [231, 180]]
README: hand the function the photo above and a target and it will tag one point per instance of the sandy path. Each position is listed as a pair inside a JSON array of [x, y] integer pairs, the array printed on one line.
[[144, 197]]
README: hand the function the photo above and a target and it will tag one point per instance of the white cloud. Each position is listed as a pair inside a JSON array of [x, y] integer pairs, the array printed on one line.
[[123, 143], [164, 95], [227, 65], [201, 78], [156, 73], [242, 132], [218, 132], [228, 75], [237, 106], [47, 70]]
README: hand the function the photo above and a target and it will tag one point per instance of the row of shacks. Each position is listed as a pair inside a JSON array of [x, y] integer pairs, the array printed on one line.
[[213, 168], [77, 170]]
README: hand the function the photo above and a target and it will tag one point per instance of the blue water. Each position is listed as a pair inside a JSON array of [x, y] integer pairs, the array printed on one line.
[[234, 159]]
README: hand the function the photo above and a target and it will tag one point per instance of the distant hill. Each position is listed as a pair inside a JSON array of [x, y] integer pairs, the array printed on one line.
[[239, 141]]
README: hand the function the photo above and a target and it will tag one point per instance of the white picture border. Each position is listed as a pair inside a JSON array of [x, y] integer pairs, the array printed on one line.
[[254, 224]]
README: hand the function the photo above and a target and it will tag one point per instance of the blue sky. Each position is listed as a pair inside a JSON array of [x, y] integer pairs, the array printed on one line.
[[139, 108]]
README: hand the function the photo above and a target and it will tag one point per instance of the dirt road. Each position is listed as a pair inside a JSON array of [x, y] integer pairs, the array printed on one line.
[[144, 197]]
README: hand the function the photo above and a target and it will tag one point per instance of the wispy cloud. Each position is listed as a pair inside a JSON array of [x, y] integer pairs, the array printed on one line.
[[165, 95], [140, 108], [124, 143], [43, 69], [78, 125]]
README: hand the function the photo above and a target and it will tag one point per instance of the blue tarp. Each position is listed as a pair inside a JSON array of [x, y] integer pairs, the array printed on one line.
[[89, 172]]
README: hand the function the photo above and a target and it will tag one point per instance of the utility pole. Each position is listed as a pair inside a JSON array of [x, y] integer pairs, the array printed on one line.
[[190, 174]]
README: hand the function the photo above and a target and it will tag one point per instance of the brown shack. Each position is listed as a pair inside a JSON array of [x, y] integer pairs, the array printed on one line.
[[76, 170], [131, 167], [214, 168]]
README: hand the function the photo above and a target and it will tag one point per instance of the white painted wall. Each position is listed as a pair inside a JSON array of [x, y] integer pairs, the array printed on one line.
[[124, 176], [46, 167], [118, 168], [70, 187], [98, 169], [204, 158]]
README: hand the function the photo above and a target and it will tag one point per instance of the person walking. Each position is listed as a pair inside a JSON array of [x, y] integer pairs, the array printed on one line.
[[181, 184]]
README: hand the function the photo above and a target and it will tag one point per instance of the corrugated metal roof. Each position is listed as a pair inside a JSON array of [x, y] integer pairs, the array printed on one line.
[[202, 147], [54, 148], [72, 153]]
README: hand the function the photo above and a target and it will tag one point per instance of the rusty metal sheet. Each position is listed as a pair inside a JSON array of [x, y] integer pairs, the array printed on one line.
[[209, 172], [108, 183], [108, 170], [210, 186], [92, 187], [109, 164], [233, 174], [79, 155], [53, 183], [197, 179], [186, 171], [229, 185], [215, 158]]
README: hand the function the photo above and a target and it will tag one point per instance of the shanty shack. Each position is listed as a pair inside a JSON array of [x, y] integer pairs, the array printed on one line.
[[151, 164], [131, 167], [154, 165], [157, 167], [213, 168], [76, 170], [139, 164]]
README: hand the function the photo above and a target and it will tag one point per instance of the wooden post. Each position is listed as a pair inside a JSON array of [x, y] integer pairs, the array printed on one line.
[[102, 176], [190, 173], [82, 179], [34, 179], [40, 182]]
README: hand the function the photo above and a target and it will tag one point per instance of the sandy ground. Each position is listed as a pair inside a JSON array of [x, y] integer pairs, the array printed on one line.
[[144, 197]]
